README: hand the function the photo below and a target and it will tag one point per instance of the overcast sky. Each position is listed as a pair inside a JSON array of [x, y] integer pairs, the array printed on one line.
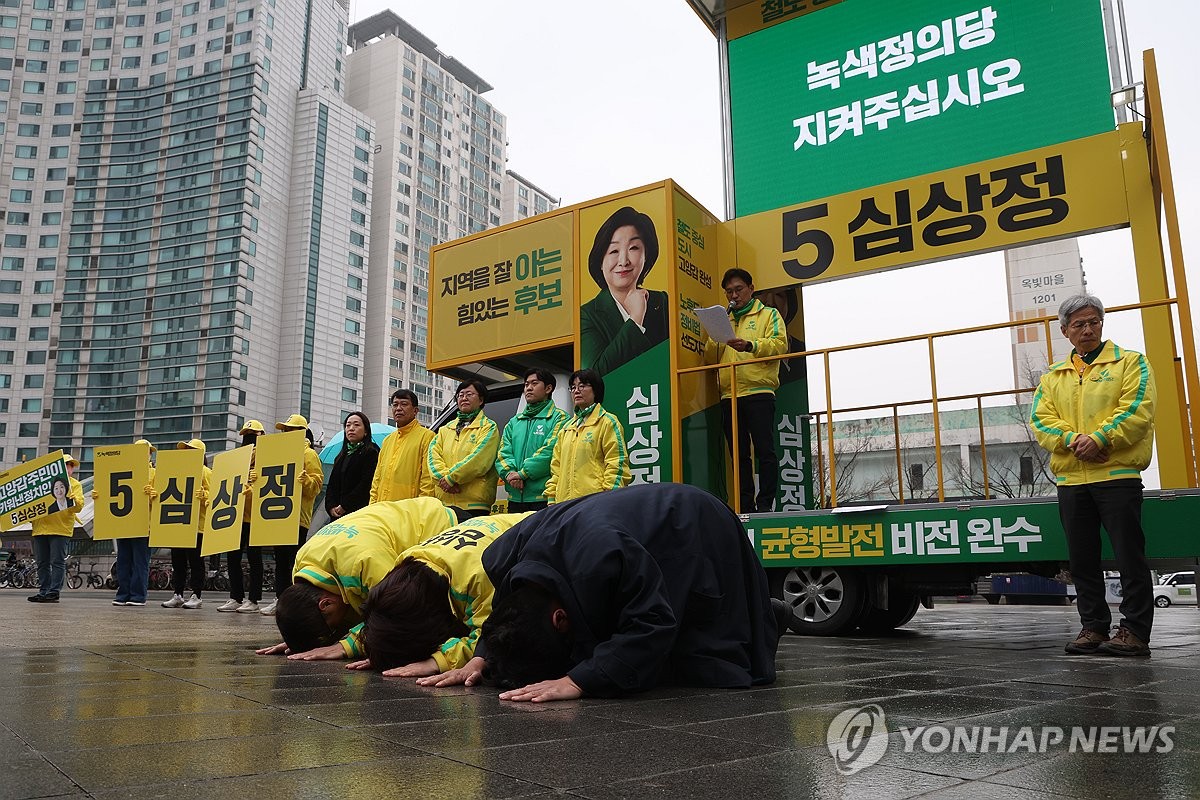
[[602, 97]]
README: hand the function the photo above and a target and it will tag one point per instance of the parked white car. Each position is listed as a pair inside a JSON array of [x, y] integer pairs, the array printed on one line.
[[1175, 589]]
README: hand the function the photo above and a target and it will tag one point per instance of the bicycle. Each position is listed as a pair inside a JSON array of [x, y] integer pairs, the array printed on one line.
[[73, 579], [160, 576]]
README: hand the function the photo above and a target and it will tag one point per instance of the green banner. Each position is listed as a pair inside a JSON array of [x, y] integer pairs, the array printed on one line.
[[987, 532], [872, 91]]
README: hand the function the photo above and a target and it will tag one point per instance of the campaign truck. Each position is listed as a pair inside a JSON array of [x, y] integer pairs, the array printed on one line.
[[837, 171]]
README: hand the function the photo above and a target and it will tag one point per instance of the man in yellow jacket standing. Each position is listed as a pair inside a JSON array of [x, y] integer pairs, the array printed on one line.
[[1094, 413], [51, 532], [758, 332], [402, 471], [462, 456]]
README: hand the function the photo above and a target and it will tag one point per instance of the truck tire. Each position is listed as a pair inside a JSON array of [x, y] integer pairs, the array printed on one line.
[[825, 601], [902, 606]]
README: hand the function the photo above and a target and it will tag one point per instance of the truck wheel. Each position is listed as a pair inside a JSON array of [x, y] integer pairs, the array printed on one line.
[[824, 601], [902, 606], [1162, 601]]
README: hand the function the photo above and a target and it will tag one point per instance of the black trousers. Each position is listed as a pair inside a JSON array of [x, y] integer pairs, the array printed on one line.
[[285, 561], [515, 507], [237, 588], [756, 424], [1117, 506], [185, 560]]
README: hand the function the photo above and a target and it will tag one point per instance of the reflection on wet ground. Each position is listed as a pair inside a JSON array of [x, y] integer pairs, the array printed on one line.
[[106, 702]]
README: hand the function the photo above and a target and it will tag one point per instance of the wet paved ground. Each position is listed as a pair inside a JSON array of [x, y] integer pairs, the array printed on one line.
[[105, 702]]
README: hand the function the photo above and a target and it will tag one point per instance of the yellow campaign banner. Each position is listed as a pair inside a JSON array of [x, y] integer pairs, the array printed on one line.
[[27, 491], [697, 285], [175, 516], [223, 526], [744, 17], [1039, 195], [122, 509], [275, 503], [507, 289]]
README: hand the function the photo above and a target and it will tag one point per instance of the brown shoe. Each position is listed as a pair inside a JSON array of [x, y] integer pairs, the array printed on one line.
[[1087, 642], [1124, 643]]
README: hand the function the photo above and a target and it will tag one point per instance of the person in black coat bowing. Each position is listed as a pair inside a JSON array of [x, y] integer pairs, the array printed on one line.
[[622, 591], [349, 487]]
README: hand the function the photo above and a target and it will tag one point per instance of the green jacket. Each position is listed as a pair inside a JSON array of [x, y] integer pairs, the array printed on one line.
[[1112, 402], [526, 448]]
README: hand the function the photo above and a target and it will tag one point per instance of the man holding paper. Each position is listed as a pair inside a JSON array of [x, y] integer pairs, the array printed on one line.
[[758, 332]]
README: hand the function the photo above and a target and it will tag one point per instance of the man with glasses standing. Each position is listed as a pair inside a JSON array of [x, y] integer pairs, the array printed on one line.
[[1094, 413], [528, 443], [758, 332], [462, 455]]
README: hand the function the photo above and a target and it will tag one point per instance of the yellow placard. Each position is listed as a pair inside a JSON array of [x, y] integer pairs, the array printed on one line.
[[1038, 195], [27, 490], [275, 507], [223, 525], [747, 16], [175, 515], [122, 509], [697, 285], [504, 289]]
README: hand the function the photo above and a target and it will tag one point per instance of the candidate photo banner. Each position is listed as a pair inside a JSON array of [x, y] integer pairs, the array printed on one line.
[[27, 490], [625, 255], [504, 290], [223, 526], [122, 508], [275, 500], [175, 515]]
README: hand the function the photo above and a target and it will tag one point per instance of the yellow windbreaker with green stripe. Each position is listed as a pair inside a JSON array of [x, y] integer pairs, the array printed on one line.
[[1112, 402], [467, 458], [590, 456], [457, 555], [311, 479], [349, 556], [763, 328]]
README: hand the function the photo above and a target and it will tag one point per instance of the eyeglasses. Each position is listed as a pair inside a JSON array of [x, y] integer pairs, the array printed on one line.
[[1080, 324], [579, 387], [467, 393]]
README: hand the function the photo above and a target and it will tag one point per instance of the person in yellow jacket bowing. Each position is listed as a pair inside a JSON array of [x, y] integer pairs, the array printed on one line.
[[424, 618], [590, 455], [51, 532], [402, 471], [462, 456], [319, 614]]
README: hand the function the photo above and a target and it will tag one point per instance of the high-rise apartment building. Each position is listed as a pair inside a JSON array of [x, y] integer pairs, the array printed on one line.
[[521, 198], [186, 205], [439, 175]]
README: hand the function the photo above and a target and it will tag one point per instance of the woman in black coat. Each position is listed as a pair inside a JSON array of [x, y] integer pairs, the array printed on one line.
[[349, 486]]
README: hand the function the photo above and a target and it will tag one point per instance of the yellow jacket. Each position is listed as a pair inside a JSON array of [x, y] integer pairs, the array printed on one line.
[[402, 471], [205, 485], [310, 484], [457, 555], [467, 458], [61, 523], [1112, 402], [590, 456], [764, 329], [349, 556]]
